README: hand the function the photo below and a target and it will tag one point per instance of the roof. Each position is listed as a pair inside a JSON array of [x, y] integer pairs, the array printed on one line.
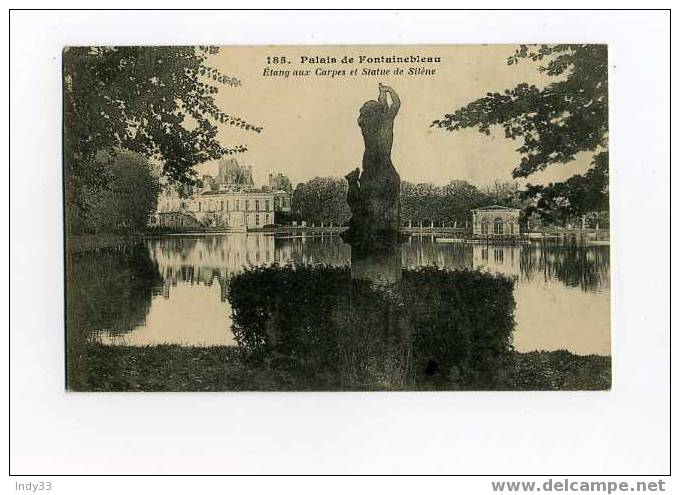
[[232, 192], [496, 208], [230, 164]]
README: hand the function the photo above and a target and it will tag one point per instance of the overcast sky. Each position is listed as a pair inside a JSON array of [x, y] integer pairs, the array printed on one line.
[[310, 123]]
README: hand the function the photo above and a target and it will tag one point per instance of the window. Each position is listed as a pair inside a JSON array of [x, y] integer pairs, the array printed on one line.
[[199, 206], [498, 226], [237, 205], [257, 219], [221, 205], [247, 204], [266, 205], [257, 205], [485, 227]]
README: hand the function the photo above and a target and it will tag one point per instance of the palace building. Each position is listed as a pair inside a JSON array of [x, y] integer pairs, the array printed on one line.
[[229, 201]]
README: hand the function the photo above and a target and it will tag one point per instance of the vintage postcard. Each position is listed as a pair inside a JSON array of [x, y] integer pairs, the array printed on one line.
[[337, 218]]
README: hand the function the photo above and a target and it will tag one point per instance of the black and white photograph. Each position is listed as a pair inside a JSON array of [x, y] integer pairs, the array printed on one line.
[[337, 218], [339, 242]]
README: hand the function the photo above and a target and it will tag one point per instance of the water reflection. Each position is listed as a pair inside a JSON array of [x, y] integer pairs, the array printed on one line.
[[175, 289], [376, 263], [586, 267], [110, 289]]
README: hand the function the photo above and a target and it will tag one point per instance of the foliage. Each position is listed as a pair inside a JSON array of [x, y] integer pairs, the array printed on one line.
[[156, 101], [325, 200], [555, 123], [464, 321], [503, 193], [317, 322], [579, 195], [128, 200], [451, 203], [286, 217], [322, 199]]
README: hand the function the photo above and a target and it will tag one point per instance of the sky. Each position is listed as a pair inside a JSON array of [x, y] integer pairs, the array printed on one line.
[[310, 123]]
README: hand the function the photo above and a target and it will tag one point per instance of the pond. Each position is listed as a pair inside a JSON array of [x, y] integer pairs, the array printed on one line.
[[174, 289], [290, 299]]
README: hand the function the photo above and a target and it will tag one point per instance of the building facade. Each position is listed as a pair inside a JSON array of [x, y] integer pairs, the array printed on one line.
[[229, 201], [495, 222]]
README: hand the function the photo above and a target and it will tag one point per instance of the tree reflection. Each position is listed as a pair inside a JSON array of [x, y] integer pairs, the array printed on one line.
[[109, 289], [574, 265]]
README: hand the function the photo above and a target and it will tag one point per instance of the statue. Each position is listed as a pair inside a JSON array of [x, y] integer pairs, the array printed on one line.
[[373, 195]]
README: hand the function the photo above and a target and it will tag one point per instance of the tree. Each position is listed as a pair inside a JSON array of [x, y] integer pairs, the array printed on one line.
[[322, 199], [574, 198], [155, 101], [503, 193], [127, 202], [555, 123], [461, 197], [429, 203], [420, 202]]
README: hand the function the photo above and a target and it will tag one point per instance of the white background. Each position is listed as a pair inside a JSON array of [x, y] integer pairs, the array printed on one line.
[[622, 432]]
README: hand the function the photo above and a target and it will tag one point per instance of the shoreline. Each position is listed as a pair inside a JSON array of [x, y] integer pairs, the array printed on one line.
[[86, 242]]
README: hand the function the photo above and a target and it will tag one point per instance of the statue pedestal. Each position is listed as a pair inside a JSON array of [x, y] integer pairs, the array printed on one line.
[[380, 192], [375, 203]]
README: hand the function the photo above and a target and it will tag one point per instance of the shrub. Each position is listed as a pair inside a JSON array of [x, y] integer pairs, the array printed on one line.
[[319, 323]]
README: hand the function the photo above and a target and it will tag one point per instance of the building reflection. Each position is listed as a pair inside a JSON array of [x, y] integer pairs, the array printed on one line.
[[213, 259], [210, 259], [313, 250], [498, 259], [423, 251]]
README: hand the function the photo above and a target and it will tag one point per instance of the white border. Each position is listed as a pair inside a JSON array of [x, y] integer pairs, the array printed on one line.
[[624, 431]]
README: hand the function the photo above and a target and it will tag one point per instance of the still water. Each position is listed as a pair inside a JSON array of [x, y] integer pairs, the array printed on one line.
[[174, 289]]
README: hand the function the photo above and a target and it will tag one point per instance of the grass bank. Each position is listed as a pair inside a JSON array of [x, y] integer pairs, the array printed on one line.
[[174, 368], [89, 242]]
